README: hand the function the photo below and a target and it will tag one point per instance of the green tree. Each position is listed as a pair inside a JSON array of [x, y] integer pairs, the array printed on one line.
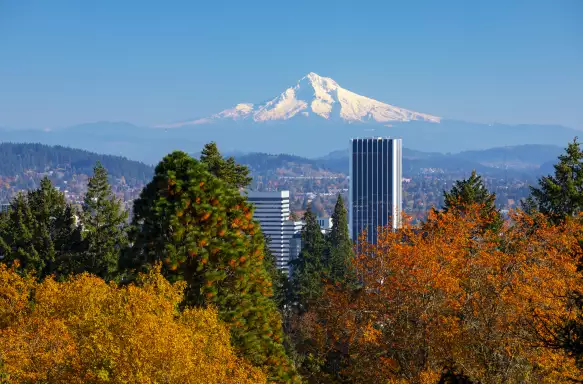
[[40, 232], [340, 252], [202, 230], [309, 268], [561, 195], [228, 170], [104, 222], [470, 192], [279, 279]]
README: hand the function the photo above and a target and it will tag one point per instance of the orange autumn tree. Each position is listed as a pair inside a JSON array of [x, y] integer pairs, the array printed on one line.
[[449, 295], [87, 331]]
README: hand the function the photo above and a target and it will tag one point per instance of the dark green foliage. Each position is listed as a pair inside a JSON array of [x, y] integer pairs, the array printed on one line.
[[16, 158], [309, 268], [40, 232], [561, 194], [201, 228], [558, 197], [472, 191], [228, 170], [469, 191], [322, 261], [104, 227], [340, 252], [529, 205], [280, 282]]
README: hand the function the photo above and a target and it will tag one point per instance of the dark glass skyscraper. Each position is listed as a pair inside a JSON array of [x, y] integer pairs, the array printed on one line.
[[375, 185]]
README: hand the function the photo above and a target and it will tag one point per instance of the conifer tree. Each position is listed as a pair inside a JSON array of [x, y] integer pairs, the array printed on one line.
[[309, 268], [558, 197], [561, 195], [469, 191], [40, 232], [340, 252], [104, 227], [202, 230], [279, 279], [228, 170], [472, 191]]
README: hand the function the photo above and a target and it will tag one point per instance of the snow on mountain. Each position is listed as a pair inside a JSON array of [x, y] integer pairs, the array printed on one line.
[[316, 95]]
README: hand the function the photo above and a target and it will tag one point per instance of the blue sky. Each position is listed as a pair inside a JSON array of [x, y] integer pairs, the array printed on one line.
[[150, 62]]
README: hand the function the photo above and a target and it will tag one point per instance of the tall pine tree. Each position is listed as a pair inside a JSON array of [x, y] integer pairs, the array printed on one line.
[[40, 232], [309, 269], [558, 197], [280, 282], [202, 230], [228, 170], [340, 252], [561, 195], [473, 192], [104, 227]]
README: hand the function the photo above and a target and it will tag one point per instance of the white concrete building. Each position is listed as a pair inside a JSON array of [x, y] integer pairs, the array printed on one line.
[[325, 224], [272, 211]]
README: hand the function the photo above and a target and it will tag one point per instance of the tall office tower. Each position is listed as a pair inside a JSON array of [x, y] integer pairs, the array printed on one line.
[[272, 212], [375, 191]]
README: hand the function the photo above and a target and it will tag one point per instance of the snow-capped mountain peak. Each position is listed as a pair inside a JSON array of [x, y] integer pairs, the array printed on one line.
[[320, 96]]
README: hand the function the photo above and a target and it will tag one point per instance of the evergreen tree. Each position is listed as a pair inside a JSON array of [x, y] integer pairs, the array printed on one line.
[[279, 279], [202, 230], [472, 191], [309, 268], [40, 232], [561, 194], [228, 170], [104, 226], [340, 252]]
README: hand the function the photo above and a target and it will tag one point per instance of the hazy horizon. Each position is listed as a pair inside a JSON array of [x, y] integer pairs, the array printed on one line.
[[148, 64]]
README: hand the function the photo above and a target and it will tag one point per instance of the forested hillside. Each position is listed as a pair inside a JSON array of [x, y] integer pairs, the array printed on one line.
[[17, 158], [23, 166]]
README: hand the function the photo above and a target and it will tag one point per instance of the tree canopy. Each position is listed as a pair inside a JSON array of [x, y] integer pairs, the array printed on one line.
[[228, 170], [309, 268], [39, 232], [340, 253], [470, 193], [443, 297], [104, 223], [202, 230], [561, 195], [87, 331]]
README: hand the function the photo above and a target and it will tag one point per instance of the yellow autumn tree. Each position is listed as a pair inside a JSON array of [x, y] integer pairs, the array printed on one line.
[[87, 331]]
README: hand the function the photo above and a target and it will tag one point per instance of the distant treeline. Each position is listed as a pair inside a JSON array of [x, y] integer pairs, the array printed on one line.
[[15, 158]]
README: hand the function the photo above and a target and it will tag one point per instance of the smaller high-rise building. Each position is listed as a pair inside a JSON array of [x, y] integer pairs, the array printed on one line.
[[295, 247], [272, 212], [325, 224], [284, 236]]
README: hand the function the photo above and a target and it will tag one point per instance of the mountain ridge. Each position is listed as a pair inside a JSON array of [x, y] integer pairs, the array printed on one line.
[[283, 127], [314, 95]]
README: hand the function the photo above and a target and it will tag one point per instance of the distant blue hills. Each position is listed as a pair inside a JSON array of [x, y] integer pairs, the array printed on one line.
[[312, 139]]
